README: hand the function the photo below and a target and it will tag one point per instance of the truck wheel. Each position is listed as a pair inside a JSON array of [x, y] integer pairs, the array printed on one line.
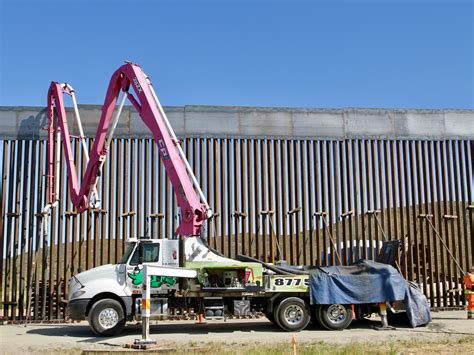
[[292, 314], [335, 316], [106, 317]]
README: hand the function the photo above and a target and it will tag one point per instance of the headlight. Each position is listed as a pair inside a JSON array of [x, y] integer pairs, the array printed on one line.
[[72, 283], [77, 294], [74, 280], [75, 288]]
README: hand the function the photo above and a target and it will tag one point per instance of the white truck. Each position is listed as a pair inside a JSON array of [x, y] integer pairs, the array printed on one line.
[[194, 280]]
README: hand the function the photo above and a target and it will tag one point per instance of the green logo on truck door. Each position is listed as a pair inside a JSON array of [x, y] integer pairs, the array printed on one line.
[[155, 281]]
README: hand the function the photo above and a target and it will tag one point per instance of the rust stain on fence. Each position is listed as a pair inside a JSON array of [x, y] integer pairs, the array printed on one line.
[[315, 202]]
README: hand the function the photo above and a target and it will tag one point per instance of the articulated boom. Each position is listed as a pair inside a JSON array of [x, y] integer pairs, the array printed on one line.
[[194, 208]]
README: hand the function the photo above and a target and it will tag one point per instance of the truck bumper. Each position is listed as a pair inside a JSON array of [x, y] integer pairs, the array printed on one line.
[[77, 309]]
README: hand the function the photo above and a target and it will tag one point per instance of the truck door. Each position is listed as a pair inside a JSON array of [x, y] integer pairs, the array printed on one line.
[[151, 253]]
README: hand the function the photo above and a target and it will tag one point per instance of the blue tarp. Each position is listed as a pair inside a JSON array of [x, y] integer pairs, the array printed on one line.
[[368, 282], [418, 309], [363, 282]]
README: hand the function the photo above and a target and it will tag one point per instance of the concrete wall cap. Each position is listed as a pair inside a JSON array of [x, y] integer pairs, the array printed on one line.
[[23, 122]]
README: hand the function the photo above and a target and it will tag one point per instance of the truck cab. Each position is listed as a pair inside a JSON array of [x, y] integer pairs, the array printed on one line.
[[109, 295]]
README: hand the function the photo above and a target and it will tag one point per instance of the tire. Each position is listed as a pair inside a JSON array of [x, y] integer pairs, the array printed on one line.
[[318, 317], [106, 317], [292, 314], [274, 316], [335, 316]]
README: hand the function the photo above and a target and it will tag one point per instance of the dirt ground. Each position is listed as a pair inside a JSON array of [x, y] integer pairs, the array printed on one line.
[[450, 328]]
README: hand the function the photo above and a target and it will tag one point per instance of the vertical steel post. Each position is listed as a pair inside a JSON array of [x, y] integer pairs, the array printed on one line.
[[145, 340], [145, 304]]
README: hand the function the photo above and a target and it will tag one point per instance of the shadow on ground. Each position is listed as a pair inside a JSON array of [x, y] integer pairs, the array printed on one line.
[[83, 331]]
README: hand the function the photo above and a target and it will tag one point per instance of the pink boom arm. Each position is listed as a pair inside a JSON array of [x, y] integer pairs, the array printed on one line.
[[192, 210]]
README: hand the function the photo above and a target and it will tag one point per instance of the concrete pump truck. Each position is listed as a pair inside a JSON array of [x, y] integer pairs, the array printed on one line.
[[187, 274]]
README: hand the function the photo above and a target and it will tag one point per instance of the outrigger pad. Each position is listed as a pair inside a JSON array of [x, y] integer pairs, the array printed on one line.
[[361, 283]]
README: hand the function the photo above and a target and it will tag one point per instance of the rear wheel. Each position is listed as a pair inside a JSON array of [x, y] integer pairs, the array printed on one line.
[[292, 314], [335, 316], [106, 317]]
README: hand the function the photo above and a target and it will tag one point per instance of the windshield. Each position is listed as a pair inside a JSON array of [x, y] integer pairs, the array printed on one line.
[[129, 250]]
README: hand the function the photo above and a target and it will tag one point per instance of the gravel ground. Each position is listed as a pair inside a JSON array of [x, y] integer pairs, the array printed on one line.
[[43, 338]]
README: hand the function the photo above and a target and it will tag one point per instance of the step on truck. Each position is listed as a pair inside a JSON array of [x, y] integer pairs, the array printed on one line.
[[188, 276]]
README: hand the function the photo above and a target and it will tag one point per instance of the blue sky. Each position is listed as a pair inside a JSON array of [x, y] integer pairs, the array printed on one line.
[[415, 54]]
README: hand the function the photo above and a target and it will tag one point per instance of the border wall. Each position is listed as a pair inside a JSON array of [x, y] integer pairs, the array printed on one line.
[[297, 163]]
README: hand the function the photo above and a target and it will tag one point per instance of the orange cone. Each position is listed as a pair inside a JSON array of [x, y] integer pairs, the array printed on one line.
[[201, 319]]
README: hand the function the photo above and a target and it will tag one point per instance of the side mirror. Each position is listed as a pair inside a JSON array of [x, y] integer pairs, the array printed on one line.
[[140, 253]]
